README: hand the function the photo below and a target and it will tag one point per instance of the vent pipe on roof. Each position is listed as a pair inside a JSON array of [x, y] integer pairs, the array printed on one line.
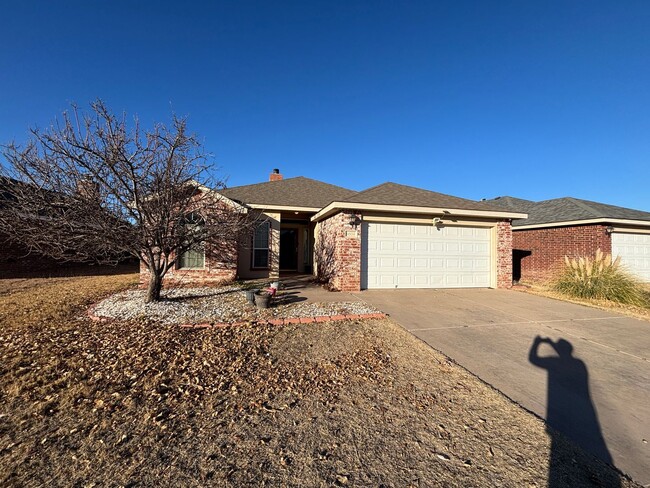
[[275, 175]]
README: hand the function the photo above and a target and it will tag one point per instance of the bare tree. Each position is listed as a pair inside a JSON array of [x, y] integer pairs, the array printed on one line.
[[91, 189]]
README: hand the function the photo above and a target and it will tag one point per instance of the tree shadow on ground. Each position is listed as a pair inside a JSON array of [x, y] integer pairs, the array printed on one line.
[[285, 298], [569, 411], [168, 295]]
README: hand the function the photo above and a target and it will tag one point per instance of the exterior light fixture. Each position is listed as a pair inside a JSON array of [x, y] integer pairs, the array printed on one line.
[[354, 221], [609, 229]]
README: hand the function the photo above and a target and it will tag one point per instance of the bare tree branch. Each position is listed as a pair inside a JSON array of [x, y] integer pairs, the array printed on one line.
[[90, 189]]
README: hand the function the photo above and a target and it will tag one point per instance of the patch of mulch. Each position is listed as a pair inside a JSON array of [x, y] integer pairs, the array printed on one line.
[[225, 304]]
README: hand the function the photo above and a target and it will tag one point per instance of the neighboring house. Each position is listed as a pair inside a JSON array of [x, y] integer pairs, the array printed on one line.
[[573, 227], [389, 236], [19, 260]]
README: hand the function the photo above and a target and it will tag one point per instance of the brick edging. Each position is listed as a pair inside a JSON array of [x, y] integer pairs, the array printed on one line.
[[288, 321], [90, 312]]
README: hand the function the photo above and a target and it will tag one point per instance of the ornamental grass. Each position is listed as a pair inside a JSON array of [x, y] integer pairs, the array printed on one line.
[[600, 278]]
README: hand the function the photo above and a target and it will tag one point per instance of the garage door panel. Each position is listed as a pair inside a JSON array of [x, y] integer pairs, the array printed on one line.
[[404, 245], [423, 256], [634, 250]]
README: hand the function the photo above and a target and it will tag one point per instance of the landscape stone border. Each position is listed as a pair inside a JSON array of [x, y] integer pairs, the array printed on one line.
[[286, 321]]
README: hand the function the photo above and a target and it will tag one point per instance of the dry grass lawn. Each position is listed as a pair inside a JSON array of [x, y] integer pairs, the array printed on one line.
[[358, 403], [629, 310]]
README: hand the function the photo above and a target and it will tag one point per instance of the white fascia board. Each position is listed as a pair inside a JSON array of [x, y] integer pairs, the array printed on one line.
[[568, 223], [281, 208], [443, 212], [237, 206]]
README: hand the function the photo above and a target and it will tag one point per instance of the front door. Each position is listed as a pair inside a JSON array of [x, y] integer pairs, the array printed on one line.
[[289, 249]]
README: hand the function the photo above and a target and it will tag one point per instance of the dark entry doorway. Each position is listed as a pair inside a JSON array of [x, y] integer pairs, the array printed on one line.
[[289, 249]]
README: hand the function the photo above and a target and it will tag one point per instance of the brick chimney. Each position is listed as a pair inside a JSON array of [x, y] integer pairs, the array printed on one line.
[[275, 175]]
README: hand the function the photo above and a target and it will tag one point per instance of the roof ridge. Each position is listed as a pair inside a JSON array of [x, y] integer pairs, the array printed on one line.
[[583, 205], [363, 191], [414, 188], [286, 179], [262, 182]]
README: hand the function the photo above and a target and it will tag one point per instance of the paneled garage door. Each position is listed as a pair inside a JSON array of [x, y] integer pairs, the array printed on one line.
[[634, 250], [423, 256]]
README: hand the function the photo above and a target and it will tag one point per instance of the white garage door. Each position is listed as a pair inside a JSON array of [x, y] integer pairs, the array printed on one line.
[[634, 250], [423, 256]]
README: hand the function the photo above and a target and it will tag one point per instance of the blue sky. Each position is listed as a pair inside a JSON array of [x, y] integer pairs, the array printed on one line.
[[476, 99]]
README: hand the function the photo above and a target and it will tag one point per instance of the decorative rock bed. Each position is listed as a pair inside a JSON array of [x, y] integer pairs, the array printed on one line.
[[220, 306]]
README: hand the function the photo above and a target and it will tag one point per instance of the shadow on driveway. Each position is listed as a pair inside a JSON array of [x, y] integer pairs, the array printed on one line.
[[569, 408]]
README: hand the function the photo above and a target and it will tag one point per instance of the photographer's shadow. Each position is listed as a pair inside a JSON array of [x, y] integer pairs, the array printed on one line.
[[569, 408]]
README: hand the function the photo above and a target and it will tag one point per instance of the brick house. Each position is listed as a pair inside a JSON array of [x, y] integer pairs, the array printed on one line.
[[388, 236], [573, 227]]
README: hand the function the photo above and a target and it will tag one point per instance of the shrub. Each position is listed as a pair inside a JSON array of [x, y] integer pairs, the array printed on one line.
[[601, 278]]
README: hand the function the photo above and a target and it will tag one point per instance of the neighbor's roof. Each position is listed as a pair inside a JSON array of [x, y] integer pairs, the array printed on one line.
[[402, 195], [568, 209], [289, 192], [512, 203]]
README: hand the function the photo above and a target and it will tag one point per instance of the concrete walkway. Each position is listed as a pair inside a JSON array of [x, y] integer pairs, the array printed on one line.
[[594, 385], [304, 289]]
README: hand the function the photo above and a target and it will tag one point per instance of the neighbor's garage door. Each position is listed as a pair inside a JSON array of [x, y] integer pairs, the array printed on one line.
[[423, 256], [634, 250]]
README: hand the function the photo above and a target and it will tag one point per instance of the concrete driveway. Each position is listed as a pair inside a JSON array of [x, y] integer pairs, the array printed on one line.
[[594, 386]]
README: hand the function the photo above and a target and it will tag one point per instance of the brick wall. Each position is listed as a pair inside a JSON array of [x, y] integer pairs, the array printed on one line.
[[338, 251], [220, 267], [504, 254], [17, 261], [541, 251]]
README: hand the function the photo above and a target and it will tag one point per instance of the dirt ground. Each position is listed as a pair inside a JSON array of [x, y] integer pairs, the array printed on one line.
[[357, 403]]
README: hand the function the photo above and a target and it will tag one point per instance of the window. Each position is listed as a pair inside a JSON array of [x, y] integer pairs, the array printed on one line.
[[195, 256], [261, 246]]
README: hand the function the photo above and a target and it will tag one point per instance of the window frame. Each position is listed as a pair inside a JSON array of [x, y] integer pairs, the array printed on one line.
[[267, 248], [191, 220]]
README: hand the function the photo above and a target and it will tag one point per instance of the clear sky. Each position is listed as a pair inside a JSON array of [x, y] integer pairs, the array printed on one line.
[[477, 99]]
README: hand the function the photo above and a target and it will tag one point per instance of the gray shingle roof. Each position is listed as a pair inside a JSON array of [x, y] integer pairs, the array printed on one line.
[[512, 203], [290, 192], [396, 194], [567, 209]]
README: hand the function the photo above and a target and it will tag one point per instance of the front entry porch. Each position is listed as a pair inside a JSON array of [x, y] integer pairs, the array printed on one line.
[[296, 245]]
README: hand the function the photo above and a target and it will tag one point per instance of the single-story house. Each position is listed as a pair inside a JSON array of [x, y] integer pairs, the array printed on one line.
[[388, 236], [573, 227]]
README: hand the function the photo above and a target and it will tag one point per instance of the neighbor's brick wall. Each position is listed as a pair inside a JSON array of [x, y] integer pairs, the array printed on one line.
[[219, 268], [504, 254], [17, 261], [346, 241], [547, 247]]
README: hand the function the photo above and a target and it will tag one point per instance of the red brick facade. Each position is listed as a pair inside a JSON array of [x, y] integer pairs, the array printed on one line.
[[539, 252], [344, 256], [221, 269], [504, 255]]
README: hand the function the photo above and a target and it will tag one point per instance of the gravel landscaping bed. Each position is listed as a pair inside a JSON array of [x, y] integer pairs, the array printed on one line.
[[228, 304]]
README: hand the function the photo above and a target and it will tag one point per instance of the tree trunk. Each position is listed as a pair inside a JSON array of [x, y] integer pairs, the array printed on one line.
[[155, 285]]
